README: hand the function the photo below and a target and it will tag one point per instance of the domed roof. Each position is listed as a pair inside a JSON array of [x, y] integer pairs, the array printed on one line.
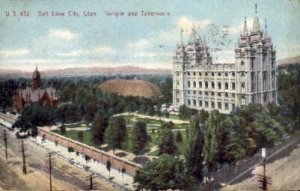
[[131, 88]]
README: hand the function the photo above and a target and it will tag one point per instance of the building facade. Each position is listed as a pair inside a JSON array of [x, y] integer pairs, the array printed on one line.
[[199, 83], [35, 94]]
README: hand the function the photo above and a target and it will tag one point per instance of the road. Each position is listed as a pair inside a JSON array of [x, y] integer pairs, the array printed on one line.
[[243, 170], [65, 175]]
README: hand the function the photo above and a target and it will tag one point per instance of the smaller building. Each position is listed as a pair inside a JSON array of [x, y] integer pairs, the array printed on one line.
[[35, 94]]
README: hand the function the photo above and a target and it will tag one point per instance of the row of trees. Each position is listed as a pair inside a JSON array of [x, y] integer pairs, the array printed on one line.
[[214, 139], [116, 133]]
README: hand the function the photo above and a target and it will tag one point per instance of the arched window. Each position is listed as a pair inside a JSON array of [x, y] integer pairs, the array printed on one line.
[[242, 63], [243, 87]]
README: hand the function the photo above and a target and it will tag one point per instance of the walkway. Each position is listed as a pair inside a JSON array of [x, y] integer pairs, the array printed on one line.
[[175, 121]]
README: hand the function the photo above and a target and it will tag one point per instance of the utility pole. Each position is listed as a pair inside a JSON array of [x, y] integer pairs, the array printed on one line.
[[264, 179], [91, 183], [264, 183], [5, 143], [50, 170], [24, 158], [50, 163]]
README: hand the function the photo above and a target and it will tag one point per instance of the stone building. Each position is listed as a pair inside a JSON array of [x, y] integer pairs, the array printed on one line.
[[199, 83], [35, 94]]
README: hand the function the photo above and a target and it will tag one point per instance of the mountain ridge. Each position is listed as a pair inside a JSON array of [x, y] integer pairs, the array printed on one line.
[[81, 71]]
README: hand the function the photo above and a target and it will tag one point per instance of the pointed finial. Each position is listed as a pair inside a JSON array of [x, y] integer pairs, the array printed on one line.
[[181, 38], [255, 8], [194, 34], [266, 30], [245, 30]]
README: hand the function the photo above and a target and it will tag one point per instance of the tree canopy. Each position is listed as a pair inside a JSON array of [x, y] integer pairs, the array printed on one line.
[[139, 137], [163, 173]]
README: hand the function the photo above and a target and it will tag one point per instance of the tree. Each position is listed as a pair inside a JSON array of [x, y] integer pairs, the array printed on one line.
[[163, 173], [69, 113], [80, 135], [194, 148], [36, 115], [234, 144], [116, 133], [186, 113], [108, 167], [90, 111], [178, 137], [212, 144], [139, 137], [62, 129], [7, 89], [98, 128], [166, 143]]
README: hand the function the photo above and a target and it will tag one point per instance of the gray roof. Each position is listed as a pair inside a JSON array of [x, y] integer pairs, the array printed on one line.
[[36, 95]]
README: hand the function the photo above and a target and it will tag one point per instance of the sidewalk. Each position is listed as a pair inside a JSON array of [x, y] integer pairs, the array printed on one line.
[[92, 165]]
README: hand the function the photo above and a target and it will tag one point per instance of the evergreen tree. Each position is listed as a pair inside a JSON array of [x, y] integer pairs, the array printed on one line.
[[193, 150], [166, 143], [212, 143], [178, 137], [98, 128], [80, 135], [116, 133], [163, 173], [139, 137]]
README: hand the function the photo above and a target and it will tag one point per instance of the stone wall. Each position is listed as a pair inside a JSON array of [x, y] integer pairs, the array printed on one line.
[[96, 154]]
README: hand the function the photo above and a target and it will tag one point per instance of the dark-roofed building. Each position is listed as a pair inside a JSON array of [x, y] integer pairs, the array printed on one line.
[[35, 94]]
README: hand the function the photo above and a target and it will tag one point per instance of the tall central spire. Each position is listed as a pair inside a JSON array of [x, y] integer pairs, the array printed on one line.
[[255, 8], [245, 31], [256, 25]]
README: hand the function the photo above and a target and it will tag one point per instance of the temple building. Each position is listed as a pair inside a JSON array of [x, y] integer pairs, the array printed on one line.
[[35, 94], [199, 83]]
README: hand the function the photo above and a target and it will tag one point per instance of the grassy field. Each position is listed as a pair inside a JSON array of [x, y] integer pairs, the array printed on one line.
[[72, 134], [154, 138], [152, 128]]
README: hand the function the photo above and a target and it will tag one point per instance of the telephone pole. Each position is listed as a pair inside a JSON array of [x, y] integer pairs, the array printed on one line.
[[50, 169], [5, 143], [24, 158], [264, 182], [91, 183], [264, 179]]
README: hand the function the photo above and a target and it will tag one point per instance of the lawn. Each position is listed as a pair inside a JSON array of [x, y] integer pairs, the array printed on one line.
[[152, 124], [180, 145], [72, 134]]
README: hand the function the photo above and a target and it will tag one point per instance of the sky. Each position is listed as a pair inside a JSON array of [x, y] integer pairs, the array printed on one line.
[[94, 33]]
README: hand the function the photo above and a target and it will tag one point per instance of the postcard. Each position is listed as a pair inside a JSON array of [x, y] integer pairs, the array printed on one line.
[[149, 95]]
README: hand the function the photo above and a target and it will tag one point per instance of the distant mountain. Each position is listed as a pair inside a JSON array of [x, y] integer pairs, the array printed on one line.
[[286, 61], [93, 71]]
